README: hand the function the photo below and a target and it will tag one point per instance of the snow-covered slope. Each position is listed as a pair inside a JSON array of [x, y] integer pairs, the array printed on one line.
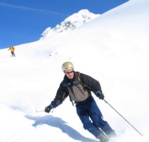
[[113, 48], [70, 23]]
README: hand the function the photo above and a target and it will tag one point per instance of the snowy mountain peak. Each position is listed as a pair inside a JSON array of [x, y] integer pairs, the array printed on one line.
[[70, 23]]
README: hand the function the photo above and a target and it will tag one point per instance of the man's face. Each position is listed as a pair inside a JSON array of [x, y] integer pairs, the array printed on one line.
[[69, 73]]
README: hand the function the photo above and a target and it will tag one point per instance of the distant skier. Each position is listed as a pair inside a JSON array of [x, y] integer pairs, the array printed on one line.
[[78, 87], [11, 48]]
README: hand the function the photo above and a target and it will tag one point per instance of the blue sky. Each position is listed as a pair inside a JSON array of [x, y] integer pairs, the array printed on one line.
[[23, 21]]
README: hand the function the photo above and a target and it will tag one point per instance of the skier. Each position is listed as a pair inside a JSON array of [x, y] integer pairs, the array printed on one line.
[[78, 87], [11, 48]]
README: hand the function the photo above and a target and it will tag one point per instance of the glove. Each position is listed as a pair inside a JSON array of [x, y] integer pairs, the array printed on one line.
[[100, 95], [48, 108]]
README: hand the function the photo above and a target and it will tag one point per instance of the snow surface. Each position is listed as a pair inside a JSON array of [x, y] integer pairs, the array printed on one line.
[[113, 48]]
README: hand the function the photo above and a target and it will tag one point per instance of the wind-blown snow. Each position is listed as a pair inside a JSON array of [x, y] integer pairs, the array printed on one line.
[[113, 48]]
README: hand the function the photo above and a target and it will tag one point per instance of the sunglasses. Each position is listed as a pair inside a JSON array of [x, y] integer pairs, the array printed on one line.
[[69, 72]]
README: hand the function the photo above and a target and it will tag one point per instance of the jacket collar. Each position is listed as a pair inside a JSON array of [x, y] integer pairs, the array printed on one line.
[[71, 82]]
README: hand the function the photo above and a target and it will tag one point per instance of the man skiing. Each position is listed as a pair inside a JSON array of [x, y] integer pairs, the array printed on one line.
[[11, 48], [78, 87]]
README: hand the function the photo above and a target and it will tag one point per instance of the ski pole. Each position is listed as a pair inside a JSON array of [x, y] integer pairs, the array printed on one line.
[[124, 118], [39, 110], [43, 110]]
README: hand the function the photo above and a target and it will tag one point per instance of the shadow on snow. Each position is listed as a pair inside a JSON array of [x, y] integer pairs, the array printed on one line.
[[59, 123]]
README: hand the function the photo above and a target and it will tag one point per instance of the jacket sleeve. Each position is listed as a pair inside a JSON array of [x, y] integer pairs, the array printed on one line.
[[61, 95], [90, 83]]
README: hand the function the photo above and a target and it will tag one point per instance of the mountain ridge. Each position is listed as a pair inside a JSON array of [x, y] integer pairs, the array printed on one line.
[[70, 23]]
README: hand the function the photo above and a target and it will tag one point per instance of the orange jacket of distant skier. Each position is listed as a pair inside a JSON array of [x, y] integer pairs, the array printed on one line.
[[11, 49]]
